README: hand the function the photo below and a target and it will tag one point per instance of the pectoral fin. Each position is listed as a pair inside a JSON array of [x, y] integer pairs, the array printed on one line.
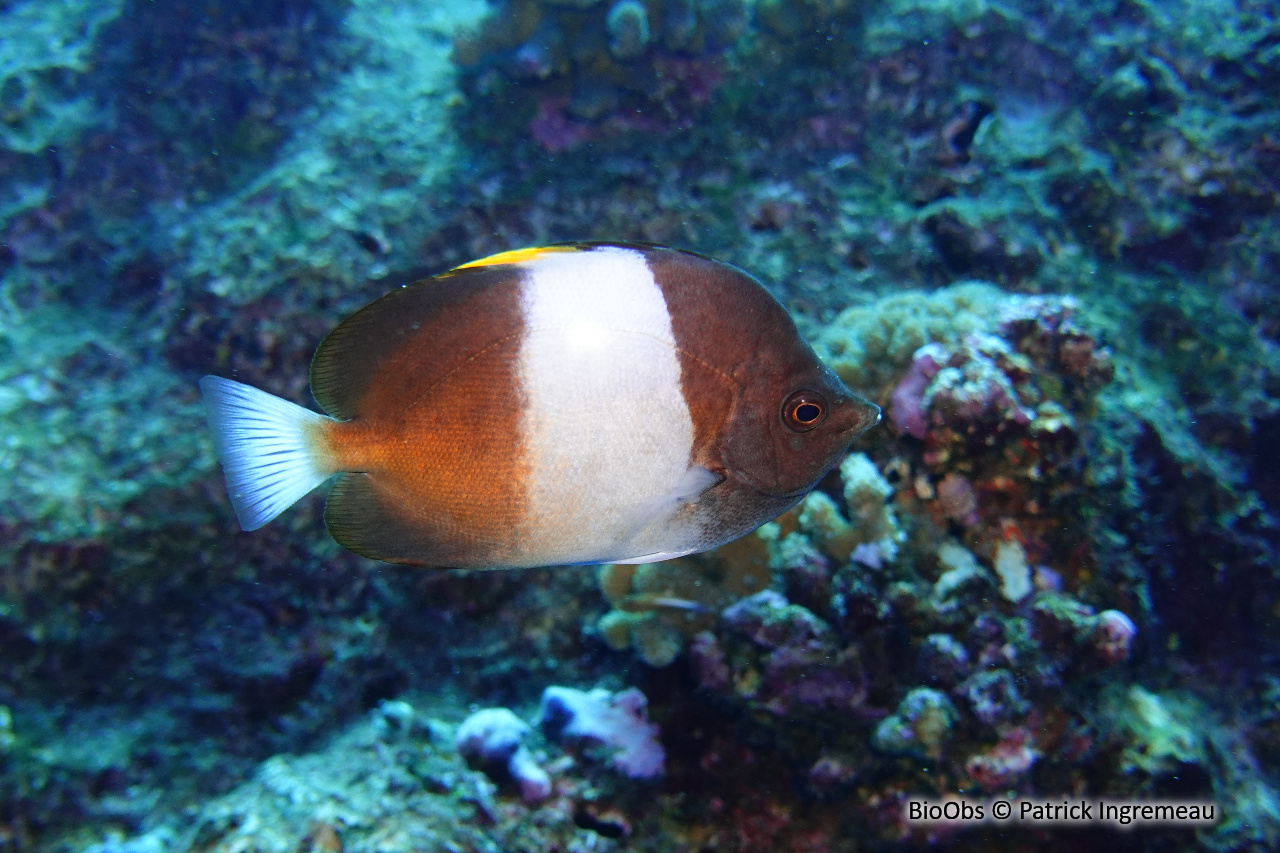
[[688, 489], [661, 509]]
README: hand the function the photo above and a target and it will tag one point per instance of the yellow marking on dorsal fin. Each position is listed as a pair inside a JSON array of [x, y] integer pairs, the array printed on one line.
[[518, 256]]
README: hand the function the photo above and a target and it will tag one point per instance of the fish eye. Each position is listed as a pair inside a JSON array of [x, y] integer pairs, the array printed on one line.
[[804, 410]]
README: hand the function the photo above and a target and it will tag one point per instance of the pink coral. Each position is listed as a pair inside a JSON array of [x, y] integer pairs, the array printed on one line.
[[906, 405], [494, 739]]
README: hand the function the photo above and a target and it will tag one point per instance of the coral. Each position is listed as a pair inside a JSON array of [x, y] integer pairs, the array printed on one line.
[[1069, 629], [782, 658], [973, 393], [6, 730], [962, 583], [1005, 764], [1159, 731], [1011, 567], [1113, 636], [957, 499], [993, 696], [657, 606], [943, 659], [616, 722], [961, 381], [493, 738], [375, 787], [1000, 416], [921, 726], [596, 69], [870, 346], [829, 773], [906, 407], [870, 534], [867, 498], [709, 662], [628, 27]]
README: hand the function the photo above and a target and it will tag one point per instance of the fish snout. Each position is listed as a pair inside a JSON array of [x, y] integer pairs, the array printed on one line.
[[860, 415]]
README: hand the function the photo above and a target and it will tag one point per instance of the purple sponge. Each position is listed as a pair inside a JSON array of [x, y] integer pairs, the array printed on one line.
[[493, 738], [617, 721]]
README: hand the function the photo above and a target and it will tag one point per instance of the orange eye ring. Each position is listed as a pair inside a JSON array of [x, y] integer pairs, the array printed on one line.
[[804, 410]]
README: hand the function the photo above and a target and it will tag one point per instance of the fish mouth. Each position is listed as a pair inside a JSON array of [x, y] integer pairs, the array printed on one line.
[[864, 415]]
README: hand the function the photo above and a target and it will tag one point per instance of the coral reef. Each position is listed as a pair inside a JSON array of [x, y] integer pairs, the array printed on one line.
[[1045, 240], [390, 783]]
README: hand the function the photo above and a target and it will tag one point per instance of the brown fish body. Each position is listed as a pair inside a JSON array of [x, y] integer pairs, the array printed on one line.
[[575, 404]]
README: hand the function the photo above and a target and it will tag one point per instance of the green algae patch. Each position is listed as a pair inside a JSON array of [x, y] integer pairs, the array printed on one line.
[[1159, 730]]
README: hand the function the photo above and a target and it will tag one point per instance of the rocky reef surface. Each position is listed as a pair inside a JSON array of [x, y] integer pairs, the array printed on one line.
[[1045, 238]]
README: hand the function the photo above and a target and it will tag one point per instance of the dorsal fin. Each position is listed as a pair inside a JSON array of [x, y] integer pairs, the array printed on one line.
[[519, 256], [430, 324]]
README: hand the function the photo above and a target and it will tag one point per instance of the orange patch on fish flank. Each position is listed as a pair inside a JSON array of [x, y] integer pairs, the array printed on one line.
[[454, 456], [437, 431], [518, 256]]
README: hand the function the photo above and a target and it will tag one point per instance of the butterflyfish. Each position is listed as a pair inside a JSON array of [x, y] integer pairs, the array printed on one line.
[[570, 404]]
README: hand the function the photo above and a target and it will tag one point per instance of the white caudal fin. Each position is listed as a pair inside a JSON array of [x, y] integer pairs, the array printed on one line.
[[267, 447]]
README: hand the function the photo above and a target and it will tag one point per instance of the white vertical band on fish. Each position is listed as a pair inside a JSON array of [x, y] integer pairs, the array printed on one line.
[[604, 440]]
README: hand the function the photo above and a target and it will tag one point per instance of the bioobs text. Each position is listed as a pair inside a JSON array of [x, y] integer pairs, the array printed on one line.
[[923, 810]]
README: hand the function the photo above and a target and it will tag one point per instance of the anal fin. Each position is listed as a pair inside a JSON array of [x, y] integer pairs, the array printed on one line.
[[368, 520], [653, 558]]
